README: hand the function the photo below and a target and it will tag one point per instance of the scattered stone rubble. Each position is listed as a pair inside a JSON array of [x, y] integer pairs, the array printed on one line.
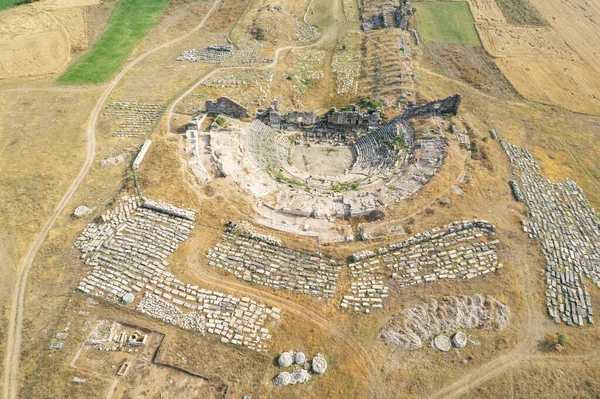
[[263, 262], [112, 161], [388, 71], [350, 11], [459, 250], [300, 375], [346, 65], [319, 364], [213, 54], [304, 33], [246, 229], [127, 253], [193, 150], [561, 217], [138, 117], [462, 136], [108, 335], [248, 86], [82, 211], [412, 326], [247, 54]]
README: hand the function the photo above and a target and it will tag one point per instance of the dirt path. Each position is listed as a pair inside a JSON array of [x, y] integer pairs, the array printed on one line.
[[329, 37], [536, 326], [15, 329], [291, 307]]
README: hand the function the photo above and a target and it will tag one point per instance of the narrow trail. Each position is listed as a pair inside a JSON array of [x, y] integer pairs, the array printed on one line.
[[292, 307], [536, 325], [15, 328]]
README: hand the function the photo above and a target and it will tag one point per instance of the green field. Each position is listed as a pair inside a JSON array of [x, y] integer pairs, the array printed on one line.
[[4, 4], [446, 23], [129, 22]]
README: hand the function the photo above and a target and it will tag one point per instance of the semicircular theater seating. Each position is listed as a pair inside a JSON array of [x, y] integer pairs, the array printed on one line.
[[384, 170], [269, 148], [376, 152]]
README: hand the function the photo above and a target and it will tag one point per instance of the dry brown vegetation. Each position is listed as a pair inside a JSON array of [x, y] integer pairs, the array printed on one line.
[[554, 65], [41, 148], [42, 38], [470, 64]]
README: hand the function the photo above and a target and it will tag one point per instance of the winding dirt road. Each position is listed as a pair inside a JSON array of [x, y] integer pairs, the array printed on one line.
[[290, 306], [15, 328], [536, 326]]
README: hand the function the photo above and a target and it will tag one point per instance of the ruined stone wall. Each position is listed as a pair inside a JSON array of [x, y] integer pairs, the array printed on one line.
[[354, 117], [304, 118], [390, 16], [273, 118], [448, 105], [226, 106]]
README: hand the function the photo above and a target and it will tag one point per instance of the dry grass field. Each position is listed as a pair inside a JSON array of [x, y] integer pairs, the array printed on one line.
[[42, 146], [556, 64], [470, 64], [42, 38]]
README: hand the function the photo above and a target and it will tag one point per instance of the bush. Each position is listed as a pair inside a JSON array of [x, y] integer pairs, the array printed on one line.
[[375, 216], [562, 340], [259, 34], [369, 104], [221, 121]]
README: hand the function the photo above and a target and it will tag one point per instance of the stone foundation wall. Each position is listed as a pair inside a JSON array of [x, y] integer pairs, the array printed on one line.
[[226, 106], [448, 105]]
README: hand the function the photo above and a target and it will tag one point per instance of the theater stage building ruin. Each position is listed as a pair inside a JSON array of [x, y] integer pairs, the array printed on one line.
[[305, 170]]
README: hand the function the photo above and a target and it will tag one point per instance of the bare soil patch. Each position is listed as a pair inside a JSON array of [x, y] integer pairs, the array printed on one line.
[[328, 161], [33, 43]]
